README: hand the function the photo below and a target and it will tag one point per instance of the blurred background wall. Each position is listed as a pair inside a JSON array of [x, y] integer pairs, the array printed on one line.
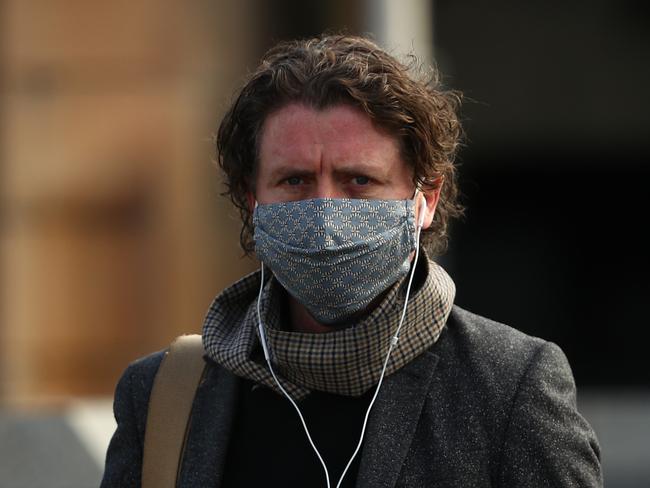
[[555, 174], [113, 235], [114, 239]]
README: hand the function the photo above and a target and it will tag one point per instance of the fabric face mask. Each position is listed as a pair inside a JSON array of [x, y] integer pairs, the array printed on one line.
[[335, 256]]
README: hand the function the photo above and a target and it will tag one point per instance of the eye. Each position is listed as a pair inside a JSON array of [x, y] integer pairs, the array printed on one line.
[[361, 180], [293, 180]]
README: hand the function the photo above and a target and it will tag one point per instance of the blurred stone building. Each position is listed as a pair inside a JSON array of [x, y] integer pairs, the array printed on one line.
[[113, 235]]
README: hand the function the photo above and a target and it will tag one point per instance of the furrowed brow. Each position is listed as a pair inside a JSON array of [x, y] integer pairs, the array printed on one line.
[[367, 169], [282, 172]]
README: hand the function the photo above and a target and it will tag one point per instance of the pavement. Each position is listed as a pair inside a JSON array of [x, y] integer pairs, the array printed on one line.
[[67, 449], [55, 450], [621, 420]]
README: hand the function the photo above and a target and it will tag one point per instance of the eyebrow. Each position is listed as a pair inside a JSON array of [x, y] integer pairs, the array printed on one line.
[[360, 167], [289, 170], [377, 171]]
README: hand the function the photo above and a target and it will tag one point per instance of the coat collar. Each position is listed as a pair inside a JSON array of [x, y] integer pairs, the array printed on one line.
[[393, 422]]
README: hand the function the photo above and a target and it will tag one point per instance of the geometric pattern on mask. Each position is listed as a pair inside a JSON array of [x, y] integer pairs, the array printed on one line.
[[345, 362], [335, 256]]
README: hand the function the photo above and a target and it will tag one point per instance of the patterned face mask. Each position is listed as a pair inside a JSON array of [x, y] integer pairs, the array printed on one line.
[[335, 256]]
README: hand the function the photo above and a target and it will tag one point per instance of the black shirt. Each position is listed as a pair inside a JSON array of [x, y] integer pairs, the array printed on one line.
[[269, 447]]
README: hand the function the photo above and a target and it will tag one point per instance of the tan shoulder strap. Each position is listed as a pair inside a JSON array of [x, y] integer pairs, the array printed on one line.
[[170, 407]]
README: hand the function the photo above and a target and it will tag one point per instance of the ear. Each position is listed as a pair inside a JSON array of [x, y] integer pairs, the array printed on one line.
[[432, 197], [250, 198]]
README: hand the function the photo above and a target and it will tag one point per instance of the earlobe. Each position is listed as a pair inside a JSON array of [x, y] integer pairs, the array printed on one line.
[[431, 197]]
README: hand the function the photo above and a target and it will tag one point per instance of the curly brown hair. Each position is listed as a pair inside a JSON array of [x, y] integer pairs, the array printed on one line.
[[335, 69]]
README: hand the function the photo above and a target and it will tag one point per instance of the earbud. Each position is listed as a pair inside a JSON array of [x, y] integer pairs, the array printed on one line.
[[422, 210]]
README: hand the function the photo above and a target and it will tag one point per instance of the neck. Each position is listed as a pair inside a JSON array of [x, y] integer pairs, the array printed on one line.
[[302, 321]]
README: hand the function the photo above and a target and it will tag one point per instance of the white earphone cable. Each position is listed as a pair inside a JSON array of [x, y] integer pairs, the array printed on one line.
[[268, 361], [391, 346]]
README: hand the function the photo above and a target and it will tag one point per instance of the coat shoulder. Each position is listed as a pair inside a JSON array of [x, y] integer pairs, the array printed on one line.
[[488, 330], [130, 405], [491, 343], [501, 407], [489, 361], [135, 387], [141, 373]]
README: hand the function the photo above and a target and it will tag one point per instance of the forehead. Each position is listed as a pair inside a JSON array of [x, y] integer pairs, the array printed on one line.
[[297, 131]]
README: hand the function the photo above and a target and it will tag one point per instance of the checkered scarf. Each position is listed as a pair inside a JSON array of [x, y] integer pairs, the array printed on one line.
[[346, 361]]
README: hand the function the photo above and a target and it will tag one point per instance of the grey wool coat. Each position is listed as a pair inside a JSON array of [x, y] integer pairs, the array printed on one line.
[[486, 406]]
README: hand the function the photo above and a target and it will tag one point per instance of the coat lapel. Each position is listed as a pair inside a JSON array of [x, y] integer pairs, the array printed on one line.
[[393, 421], [213, 415]]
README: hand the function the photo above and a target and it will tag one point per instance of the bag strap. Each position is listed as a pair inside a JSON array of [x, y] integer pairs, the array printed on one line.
[[170, 406]]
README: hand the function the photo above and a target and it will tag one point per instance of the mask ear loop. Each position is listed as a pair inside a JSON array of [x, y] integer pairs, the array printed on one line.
[[267, 356], [393, 343]]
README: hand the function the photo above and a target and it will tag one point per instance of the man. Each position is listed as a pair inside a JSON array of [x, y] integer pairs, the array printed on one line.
[[344, 362]]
